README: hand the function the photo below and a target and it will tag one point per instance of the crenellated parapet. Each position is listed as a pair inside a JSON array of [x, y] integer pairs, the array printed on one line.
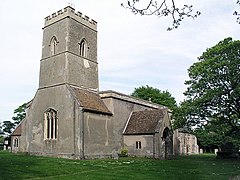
[[70, 12]]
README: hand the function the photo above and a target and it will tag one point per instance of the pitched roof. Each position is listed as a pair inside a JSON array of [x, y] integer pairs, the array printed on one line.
[[131, 99], [18, 130], [144, 122], [90, 101]]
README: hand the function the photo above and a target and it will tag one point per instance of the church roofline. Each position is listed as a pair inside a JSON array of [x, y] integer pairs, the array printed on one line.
[[18, 130], [124, 97], [89, 100], [97, 112], [70, 12], [144, 122], [138, 134]]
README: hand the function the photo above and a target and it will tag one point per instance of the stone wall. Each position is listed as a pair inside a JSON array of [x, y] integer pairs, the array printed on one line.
[[130, 143], [184, 143], [121, 106]]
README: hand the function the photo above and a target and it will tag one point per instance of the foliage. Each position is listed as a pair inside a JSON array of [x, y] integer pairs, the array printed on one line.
[[208, 136], [214, 87], [1, 139], [8, 127], [155, 95], [214, 135], [15, 166], [182, 115], [166, 8], [19, 114], [124, 152], [1, 129]]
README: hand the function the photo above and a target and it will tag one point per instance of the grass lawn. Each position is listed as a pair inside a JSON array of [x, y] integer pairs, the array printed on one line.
[[16, 166]]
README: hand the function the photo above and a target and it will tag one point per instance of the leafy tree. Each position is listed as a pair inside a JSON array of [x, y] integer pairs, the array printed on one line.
[[155, 95], [182, 116], [164, 8], [8, 127], [213, 135], [19, 114], [1, 131], [214, 88], [1, 139]]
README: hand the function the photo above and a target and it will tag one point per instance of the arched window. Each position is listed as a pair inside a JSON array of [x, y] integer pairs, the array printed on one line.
[[50, 124], [53, 45], [15, 143], [83, 48]]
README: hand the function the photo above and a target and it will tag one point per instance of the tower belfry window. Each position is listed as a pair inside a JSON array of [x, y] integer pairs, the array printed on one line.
[[83, 48], [50, 124], [53, 45]]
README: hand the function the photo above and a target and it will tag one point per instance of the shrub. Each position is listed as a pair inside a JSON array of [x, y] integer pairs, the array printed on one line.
[[124, 152], [227, 155]]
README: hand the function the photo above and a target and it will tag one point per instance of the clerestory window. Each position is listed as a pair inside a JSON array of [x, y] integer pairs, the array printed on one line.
[[50, 124]]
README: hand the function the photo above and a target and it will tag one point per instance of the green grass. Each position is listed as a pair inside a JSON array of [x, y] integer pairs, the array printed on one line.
[[16, 166]]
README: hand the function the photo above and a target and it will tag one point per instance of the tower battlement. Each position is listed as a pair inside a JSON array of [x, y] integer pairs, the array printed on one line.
[[70, 12]]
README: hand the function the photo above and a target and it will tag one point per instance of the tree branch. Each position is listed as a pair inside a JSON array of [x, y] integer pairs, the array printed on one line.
[[162, 8], [236, 13]]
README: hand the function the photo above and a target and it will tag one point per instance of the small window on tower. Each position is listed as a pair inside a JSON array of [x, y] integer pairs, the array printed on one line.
[[83, 48], [53, 45]]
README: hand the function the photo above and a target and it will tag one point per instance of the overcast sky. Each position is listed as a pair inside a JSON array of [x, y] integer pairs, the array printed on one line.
[[132, 50]]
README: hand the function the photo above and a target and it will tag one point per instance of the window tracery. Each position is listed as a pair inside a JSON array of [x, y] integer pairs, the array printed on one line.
[[51, 122], [83, 48]]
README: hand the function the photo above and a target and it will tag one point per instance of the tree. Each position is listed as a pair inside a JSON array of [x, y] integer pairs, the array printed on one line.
[[214, 88], [1, 131], [8, 127], [19, 114], [1, 139], [212, 135], [155, 95], [182, 116], [164, 8]]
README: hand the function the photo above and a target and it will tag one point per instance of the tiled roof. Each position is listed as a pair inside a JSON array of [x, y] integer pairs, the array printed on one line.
[[18, 130], [131, 99], [90, 101], [144, 122]]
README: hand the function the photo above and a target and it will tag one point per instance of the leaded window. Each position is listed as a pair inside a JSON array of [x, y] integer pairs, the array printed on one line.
[[51, 124]]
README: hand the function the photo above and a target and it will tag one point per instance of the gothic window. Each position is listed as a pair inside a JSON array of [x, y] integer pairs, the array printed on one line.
[[50, 124], [138, 145], [83, 48], [53, 45]]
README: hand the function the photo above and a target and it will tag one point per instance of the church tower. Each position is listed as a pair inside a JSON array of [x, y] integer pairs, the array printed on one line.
[[69, 51]]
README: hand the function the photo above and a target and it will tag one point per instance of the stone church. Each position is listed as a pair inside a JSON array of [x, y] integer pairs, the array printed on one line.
[[69, 117]]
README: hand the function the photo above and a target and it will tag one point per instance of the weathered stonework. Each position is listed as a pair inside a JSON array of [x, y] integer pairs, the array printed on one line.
[[68, 117], [184, 143]]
